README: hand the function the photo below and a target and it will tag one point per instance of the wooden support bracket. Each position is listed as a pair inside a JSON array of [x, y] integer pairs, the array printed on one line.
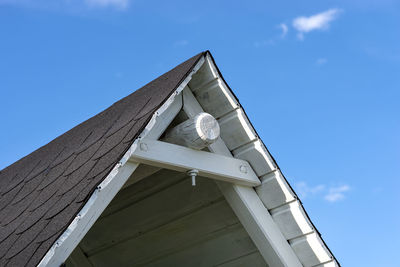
[[179, 158]]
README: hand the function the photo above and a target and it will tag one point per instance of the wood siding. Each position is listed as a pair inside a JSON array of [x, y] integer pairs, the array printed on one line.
[[164, 221]]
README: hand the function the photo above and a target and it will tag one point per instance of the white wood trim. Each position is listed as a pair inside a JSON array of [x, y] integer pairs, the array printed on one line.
[[106, 191], [161, 120], [247, 205], [180, 158], [86, 217]]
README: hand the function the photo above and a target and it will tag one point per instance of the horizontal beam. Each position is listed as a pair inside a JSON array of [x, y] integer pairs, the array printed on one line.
[[179, 158]]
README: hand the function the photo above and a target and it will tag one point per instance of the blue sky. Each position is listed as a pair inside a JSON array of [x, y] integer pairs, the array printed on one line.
[[320, 80]]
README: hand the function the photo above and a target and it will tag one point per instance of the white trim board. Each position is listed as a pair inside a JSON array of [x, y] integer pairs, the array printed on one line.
[[180, 158]]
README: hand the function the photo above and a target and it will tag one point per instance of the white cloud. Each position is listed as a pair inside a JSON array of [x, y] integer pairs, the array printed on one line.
[[336, 193], [120, 4], [320, 21], [331, 194], [304, 190], [321, 61], [284, 29]]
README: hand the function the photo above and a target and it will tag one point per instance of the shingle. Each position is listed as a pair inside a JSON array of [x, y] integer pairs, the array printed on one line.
[[26, 238], [7, 230], [41, 250], [7, 243], [57, 223], [133, 133], [23, 257], [91, 185], [36, 215], [41, 193], [47, 156], [54, 173], [13, 211], [106, 162], [18, 176], [83, 157], [76, 177], [8, 197], [113, 140], [62, 203], [28, 188], [16, 181], [45, 194]]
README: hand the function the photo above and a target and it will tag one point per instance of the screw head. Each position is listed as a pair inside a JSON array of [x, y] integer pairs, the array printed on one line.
[[143, 147], [243, 169], [193, 172]]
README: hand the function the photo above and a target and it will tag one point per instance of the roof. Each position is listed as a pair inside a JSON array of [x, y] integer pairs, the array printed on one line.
[[42, 193]]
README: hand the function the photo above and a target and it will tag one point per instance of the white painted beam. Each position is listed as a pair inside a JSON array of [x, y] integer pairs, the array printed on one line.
[[162, 119], [179, 158], [249, 208]]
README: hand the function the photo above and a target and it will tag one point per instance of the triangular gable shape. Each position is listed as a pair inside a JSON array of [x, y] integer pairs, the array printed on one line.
[[266, 206]]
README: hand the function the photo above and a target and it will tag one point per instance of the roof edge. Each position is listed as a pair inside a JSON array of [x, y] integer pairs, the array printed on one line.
[[208, 54]]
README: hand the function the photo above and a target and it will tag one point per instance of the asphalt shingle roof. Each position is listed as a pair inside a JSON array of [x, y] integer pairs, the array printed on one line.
[[42, 193]]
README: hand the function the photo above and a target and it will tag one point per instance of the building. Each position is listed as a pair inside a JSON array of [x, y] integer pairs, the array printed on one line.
[[172, 175]]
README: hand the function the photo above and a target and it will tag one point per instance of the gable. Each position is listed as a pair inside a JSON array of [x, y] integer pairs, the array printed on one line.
[[273, 217], [271, 212]]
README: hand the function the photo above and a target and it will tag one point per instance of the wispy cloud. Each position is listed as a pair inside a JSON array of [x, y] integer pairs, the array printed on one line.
[[275, 39], [321, 61], [181, 43], [68, 5], [303, 25], [320, 21], [120, 4], [330, 194], [337, 193], [284, 29], [304, 190]]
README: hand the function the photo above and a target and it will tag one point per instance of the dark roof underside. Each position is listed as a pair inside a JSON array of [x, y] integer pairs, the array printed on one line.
[[43, 192]]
